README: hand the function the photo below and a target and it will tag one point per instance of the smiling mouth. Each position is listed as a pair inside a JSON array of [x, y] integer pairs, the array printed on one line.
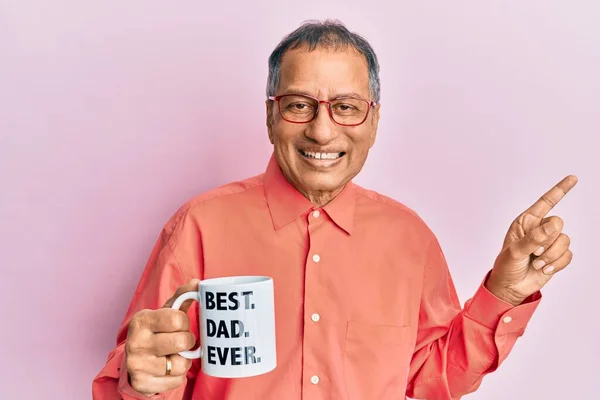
[[321, 155]]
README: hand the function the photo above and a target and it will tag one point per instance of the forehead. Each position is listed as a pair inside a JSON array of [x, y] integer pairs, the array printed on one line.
[[324, 72]]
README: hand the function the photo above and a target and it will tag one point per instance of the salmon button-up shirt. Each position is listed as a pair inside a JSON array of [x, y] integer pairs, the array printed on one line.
[[365, 307]]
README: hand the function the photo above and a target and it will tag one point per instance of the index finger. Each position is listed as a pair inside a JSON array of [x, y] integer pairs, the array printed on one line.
[[551, 198]]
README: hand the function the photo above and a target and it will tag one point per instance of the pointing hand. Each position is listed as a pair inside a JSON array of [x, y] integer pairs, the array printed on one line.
[[534, 249]]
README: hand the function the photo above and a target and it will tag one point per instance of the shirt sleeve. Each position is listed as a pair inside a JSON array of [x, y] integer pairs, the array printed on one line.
[[455, 347], [160, 279]]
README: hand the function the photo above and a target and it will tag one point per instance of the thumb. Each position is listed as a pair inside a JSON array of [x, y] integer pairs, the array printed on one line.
[[191, 286], [534, 239]]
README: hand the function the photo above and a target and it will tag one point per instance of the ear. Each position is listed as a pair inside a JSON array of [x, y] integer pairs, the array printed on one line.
[[375, 123], [269, 114]]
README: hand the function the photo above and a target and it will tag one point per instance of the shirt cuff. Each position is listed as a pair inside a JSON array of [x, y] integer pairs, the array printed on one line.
[[489, 310]]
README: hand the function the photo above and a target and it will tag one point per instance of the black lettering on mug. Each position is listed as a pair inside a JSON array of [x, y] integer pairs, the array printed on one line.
[[232, 355], [211, 355], [221, 330], [236, 355], [209, 301], [247, 299], [227, 301], [237, 328], [235, 303], [211, 327], [222, 301], [222, 354], [249, 355]]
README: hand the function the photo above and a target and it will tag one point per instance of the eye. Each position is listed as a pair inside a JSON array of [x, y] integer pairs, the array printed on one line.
[[344, 108], [298, 107]]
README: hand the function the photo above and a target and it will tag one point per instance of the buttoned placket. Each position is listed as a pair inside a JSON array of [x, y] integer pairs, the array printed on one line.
[[313, 379]]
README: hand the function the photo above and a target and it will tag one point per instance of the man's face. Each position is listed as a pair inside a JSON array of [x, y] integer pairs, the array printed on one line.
[[324, 74]]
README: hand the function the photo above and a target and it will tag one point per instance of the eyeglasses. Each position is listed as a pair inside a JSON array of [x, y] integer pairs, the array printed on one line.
[[300, 109]]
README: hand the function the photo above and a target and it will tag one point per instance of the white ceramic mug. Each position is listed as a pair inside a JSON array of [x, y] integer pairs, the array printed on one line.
[[237, 326]]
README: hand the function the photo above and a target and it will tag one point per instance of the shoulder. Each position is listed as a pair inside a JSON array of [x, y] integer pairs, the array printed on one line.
[[228, 196], [390, 210]]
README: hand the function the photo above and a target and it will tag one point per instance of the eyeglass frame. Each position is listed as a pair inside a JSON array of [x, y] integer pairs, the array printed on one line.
[[276, 99]]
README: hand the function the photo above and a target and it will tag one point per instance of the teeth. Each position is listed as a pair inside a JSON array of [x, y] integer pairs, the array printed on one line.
[[322, 156]]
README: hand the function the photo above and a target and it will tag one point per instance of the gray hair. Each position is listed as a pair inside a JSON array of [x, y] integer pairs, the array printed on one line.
[[328, 34]]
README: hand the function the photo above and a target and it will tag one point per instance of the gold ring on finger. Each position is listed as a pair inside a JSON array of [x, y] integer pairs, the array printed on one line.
[[169, 365]]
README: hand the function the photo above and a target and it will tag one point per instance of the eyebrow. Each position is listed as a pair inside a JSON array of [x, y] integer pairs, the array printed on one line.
[[349, 94], [336, 95]]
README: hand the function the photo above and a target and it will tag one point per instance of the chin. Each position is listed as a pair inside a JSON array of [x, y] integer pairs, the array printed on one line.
[[322, 185]]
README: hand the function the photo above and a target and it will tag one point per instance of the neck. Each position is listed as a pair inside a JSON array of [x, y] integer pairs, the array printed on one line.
[[321, 198]]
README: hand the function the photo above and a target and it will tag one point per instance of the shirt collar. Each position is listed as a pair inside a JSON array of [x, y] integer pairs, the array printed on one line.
[[286, 203]]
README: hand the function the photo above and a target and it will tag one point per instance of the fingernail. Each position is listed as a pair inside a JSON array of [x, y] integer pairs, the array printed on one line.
[[539, 251], [549, 228], [548, 269], [537, 264]]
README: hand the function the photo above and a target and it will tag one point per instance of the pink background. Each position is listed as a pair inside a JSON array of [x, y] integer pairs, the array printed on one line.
[[113, 113]]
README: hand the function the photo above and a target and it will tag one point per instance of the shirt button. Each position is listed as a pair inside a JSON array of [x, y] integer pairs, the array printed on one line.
[[314, 379], [315, 317], [316, 213], [506, 320], [316, 258]]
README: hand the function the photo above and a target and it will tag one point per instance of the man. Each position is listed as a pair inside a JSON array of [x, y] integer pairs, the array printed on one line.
[[365, 305]]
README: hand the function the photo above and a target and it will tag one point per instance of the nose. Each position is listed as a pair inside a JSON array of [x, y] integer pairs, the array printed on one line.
[[321, 129]]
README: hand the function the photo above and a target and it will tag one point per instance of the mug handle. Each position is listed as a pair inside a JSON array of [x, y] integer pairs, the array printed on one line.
[[190, 354]]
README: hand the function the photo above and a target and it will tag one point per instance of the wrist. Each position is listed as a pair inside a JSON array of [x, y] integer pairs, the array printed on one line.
[[503, 292]]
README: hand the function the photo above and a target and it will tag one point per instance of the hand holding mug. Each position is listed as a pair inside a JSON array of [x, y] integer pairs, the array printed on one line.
[[237, 334], [154, 339]]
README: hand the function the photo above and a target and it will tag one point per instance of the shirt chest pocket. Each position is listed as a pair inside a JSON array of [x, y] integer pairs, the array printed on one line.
[[376, 361]]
